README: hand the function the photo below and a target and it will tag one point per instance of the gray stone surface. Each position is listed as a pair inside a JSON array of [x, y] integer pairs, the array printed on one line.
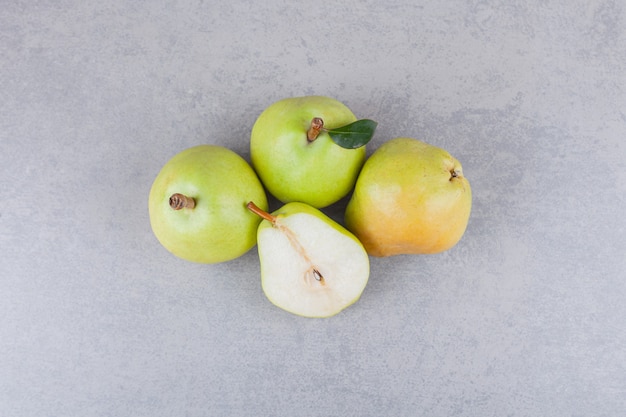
[[526, 316]]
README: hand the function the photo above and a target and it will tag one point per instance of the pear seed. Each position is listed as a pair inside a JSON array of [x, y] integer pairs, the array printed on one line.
[[317, 275]]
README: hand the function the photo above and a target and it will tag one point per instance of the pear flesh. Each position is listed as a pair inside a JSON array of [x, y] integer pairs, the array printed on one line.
[[310, 265]]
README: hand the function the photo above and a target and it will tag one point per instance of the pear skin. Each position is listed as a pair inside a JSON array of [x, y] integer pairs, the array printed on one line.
[[410, 198]]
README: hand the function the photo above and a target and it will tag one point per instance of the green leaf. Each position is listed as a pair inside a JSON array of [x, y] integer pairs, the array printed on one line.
[[354, 135]]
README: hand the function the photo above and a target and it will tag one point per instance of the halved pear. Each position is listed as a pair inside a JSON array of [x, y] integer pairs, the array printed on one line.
[[310, 265]]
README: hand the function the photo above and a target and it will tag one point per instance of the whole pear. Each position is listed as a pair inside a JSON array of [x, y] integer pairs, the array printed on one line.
[[296, 165], [410, 198], [197, 204]]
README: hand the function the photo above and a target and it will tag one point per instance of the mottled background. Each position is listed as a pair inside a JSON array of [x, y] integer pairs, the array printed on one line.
[[526, 316]]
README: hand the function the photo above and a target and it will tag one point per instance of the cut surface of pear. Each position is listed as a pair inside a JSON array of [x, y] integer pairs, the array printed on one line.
[[310, 265]]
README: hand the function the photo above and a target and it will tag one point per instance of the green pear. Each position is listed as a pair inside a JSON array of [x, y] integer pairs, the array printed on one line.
[[197, 204], [310, 265], [294, 155], [410, 198]]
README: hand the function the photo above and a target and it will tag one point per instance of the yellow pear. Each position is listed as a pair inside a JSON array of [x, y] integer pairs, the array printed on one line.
[[410, 198]]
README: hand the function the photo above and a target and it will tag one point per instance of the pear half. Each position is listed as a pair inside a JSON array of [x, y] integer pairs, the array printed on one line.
[[310, 265]]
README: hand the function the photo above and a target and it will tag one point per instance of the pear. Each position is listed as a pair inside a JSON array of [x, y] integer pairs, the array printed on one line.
[[296, 158], [310, 265], [410, 198], [197, 204]]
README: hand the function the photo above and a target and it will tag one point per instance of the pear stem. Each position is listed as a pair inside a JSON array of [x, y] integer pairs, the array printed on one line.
[[181, 201], [317, 124], [260, 212]]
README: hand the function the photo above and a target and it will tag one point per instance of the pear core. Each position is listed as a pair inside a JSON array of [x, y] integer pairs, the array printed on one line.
[[312, 270]]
